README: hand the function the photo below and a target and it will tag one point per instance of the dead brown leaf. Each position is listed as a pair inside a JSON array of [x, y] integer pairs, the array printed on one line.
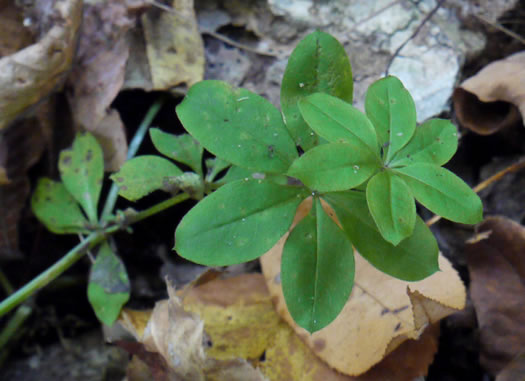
[[515, 370], [13, 35], [31, 74], [494, 98], [497, 288], [98, 76], [21, 145], [381, 313]]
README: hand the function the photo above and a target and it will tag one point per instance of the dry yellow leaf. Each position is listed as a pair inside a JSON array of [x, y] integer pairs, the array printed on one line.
[[381, 313], [174, 46]]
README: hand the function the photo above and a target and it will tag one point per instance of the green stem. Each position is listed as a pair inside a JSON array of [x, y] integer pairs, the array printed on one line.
[[6, 285], [159, 207], [132, 150], [77, 252], [13, 325], [51, 273]]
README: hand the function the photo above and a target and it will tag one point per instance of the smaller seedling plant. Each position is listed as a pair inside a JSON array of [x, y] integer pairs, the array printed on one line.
[[368, 168]]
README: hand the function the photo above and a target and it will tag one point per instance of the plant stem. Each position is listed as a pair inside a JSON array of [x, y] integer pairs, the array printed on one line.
[[12, 326], [6, 285], [132, 150], [159, 207], [78, 252], [51, 273]]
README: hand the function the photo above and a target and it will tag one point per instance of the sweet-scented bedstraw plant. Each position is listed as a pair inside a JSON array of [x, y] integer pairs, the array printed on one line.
[[367, 168]]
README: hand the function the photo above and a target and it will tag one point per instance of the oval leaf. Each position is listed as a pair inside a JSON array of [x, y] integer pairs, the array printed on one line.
[[144, 174], [318, 64], [415, 258], [237, 223], [238, 126], [82, 171], [443, 192], [392, 206], [392, 111], [108, 288], [182, 148], [334, 167], [434, 142], [317, 270], [338, 121], [57, 209]]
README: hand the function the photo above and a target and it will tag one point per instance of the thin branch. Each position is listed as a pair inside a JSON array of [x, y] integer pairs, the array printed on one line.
[[501, 28], [414, 34]]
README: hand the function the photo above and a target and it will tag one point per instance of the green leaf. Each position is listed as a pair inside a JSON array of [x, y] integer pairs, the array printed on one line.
[[214, 166], [182, 148], [392, 206], [238, 222], [434, 142], [317, 270], [391, 109], [143, 175], [108, 288], [82, 171], [334, 166], [318, 64], [443, 192], [413, 259], [238, 126], [337, 121], [57, 209], [236, 173]]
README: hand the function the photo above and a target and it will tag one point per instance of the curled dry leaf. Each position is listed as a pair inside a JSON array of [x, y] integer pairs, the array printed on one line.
[[497, 289], [381, 313], [494, 98], [28, 76], [178, 336], [243, 330]]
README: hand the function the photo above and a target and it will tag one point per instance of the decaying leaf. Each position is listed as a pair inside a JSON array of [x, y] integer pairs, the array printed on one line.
[[98, 76], [31, 74], [178, 336], [243, 331], [13, 34], [381, 313], [494, 97], [20, 148], [497, 288], [168, 50]]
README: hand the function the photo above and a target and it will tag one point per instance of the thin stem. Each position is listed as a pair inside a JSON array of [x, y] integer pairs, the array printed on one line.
[[51, 273], [6, 285], [159, 207], [485, 183], [132, 150], [12, 326]]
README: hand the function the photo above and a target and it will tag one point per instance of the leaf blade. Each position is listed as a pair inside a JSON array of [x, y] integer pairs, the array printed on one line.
[[392, 111], [434, 142], [337, 121], [318, 64], [238, 126], [317, 270], [57, 209], [82, 171], [413, 259], [109, 287], [443, 192], [238, 222], [392, 206], [142, 175], [334, 167], [182, 148]]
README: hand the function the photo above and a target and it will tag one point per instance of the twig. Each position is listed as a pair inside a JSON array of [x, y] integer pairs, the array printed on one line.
[[132, 150], [484, 184], [501, 28], [414, 34]]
